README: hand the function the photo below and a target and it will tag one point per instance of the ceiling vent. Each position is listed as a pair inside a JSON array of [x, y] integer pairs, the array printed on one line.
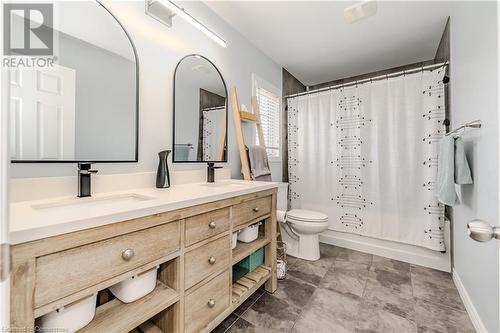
[[360, 11]]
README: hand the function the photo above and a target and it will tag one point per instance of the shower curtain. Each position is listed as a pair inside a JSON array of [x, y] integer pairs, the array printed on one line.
[[213, 122], [366, 155]]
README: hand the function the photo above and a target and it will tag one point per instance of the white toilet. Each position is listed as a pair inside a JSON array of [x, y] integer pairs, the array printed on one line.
[[300, 228]]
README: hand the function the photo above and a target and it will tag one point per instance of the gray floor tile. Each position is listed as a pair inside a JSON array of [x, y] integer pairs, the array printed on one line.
[[328, 311], [437, 293], [350, 291], [396, 265], [353, 256], [295, 291], [372, 318], [397, 281], [328, 251], [271, 313], [346, 277], [432, 316], [243, 326], [310, 271], [423, 329], [398, 303], [249, 301], [224, 326], [432, 275]]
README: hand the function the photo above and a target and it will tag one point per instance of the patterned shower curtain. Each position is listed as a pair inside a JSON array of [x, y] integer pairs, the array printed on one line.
[[366, 155], [213, 122]]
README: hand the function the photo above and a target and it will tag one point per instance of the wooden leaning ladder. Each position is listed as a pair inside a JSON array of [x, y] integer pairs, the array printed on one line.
[[250, 117]]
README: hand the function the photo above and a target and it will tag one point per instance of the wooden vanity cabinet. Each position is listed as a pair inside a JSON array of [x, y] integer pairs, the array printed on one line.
[[192, 247]]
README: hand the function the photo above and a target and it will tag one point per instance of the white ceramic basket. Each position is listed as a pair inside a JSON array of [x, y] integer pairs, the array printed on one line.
[[135, 287], [69, 318], [249, 234]]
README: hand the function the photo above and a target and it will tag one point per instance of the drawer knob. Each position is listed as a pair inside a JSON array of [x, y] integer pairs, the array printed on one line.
[[127, 254], [256, 209], [212, 225], [211, 260], [211, 303]]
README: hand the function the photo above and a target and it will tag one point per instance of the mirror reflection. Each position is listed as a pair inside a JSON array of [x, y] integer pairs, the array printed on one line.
[[200, 112], [85, 107]]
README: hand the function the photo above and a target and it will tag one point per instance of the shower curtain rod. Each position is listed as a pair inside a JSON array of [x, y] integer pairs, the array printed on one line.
[[379, 77]]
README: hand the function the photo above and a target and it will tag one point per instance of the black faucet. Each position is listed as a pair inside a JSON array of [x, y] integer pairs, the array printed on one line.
[[84, 183], [211, 172]]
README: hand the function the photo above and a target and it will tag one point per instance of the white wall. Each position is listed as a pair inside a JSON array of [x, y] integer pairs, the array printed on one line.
[[474, 95], [159, 49]]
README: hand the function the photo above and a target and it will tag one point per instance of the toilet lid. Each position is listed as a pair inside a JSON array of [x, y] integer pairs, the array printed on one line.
[[306, 215]]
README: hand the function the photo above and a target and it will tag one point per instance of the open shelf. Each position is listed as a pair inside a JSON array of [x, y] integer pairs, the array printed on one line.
[[119, 317], [243, 250], [249, 223], [249, 283]]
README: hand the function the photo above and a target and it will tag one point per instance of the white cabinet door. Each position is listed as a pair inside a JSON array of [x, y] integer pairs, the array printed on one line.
[[42, 114]]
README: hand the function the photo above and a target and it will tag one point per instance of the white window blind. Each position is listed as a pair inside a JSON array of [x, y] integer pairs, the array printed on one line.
[[269, 106]]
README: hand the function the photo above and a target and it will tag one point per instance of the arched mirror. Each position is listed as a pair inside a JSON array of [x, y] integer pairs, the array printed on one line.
[[85, 107], [200, 112]]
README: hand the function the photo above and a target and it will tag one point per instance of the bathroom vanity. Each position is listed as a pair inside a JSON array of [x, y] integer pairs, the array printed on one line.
[[67, 250]]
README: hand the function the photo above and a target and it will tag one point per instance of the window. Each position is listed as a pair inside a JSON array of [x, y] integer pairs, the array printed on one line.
[[269, 106]]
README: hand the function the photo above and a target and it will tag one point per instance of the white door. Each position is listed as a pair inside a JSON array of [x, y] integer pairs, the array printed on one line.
[[42, 114]]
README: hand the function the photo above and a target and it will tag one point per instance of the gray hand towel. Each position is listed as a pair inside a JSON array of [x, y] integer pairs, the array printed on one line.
[[462, 170], [259, 164], [445, 184]]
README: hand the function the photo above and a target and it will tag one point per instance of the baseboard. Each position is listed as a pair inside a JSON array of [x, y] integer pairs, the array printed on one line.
[[398, 251], [469, 306]]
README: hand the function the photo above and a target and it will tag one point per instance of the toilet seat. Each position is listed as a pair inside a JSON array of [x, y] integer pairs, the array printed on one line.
[[306, 216]]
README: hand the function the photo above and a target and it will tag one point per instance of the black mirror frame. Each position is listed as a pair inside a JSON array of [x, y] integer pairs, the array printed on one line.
[[136, 157], [226, 106]]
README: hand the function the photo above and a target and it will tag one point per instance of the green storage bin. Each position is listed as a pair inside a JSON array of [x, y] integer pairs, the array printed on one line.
[[253, 261], [238, 272], [248, 264]]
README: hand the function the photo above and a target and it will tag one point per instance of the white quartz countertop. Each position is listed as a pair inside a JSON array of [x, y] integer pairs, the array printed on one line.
[[32, 220]]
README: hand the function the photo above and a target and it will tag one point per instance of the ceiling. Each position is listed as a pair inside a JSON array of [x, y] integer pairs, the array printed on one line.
[[312, 40]]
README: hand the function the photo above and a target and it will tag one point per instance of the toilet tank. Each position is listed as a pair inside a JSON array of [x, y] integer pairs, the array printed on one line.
[[282, 199]]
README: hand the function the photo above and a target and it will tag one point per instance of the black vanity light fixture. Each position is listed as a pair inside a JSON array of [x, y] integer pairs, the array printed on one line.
[[164, 10]]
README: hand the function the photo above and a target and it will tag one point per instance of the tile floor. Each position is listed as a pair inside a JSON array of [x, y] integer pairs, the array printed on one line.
[[350, 291]]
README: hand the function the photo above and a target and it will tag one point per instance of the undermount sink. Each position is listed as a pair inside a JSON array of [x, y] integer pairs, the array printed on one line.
[[92, 202], [227, 184]]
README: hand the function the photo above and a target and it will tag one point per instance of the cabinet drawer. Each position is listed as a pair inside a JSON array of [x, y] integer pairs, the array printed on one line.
[[63, 273], [250, 210], [207, 302], [205, 260], [206, 225]]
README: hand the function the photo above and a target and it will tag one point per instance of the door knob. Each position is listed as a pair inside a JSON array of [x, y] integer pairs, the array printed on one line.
[[482, 231]]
